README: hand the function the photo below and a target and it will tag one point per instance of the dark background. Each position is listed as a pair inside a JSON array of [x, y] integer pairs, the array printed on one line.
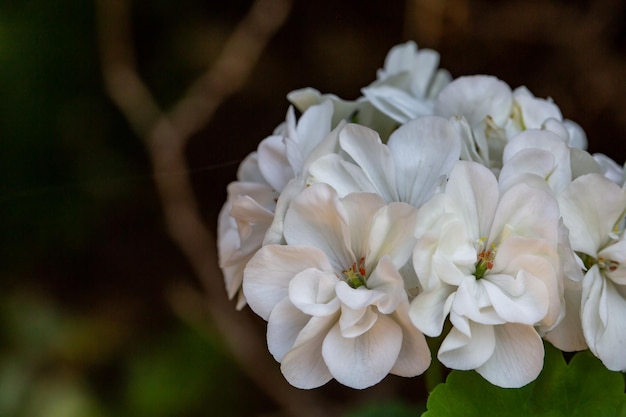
[[87, 326]]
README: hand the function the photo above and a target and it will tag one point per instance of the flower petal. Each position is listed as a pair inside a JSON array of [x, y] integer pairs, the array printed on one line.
[[368, 152], [312, 291], [424, 151], [467, 350], [476, 97], [267, 275], [317, 218], [284, 325], [429, 309], [414, 357], [591, 205], [303, 366], [392, 234], [517, 359], [365, 360], [603, 312]]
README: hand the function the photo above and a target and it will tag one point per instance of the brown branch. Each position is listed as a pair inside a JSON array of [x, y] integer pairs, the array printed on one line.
[[166, 136]]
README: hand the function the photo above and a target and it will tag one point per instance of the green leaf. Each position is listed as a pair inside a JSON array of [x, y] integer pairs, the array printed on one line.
[[584, 387]]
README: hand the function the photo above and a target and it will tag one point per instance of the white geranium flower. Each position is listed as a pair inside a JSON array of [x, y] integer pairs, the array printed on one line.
[[409, 168], [249, 208], [593, 208], [489, 261], [333, 296]]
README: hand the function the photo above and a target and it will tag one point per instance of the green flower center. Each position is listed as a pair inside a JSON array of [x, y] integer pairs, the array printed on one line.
[[355, 275]]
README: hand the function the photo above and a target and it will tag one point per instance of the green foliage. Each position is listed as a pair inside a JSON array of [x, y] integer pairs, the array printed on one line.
[[582, 388]]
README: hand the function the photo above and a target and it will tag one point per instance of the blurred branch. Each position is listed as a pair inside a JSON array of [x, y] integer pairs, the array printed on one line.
[[166, 135]]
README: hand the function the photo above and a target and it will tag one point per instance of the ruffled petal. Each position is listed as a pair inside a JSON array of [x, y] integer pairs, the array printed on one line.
[[520, 299], [313, 292]]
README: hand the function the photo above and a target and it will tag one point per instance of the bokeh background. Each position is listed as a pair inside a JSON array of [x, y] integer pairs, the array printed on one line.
[[88, 325]]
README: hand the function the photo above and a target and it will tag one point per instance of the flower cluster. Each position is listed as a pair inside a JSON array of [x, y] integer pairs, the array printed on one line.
[[361, 227]]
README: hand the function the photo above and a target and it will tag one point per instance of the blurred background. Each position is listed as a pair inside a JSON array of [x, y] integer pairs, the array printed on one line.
[[87, 322]]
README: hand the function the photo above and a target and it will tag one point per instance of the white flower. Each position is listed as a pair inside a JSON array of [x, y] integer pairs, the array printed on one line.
[[249, 208], [333, 296], [489, 261], [593, 208]]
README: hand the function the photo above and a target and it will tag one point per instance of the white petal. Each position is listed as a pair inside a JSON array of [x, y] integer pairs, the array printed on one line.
[[343, 176], [414, 357], [568, 334], [365, 360], [535, 110], [361, 209], [313, 126], [475, 97], [521, 299], [603, 312], [248, 170], [616, 253], [284, 324], [313, 292], [558, 175], [428, 310], [366, 149], [591, 206], [472, 300], [386, 279], [354, 323], [392, 234], [273, 162], [357, 298], [424, 150], [468, 350], [267, 275], [517, 359], [526, 211], [472, 192], [317, 218], [610, 169], [303, 366]]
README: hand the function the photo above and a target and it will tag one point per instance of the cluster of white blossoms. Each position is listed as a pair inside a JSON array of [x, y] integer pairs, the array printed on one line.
[[361, 227]]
